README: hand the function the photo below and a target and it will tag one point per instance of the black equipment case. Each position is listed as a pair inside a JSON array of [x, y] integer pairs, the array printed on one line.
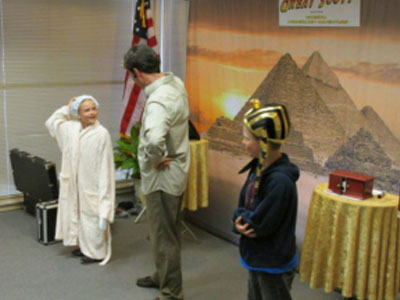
[[35, 177], [46, 214]]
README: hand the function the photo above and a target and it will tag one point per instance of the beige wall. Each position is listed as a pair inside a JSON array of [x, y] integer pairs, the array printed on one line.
[[53, 50], [56, 49]]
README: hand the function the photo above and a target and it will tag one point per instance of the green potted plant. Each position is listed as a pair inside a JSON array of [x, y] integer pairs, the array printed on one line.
[[126, 153], [126, 159]]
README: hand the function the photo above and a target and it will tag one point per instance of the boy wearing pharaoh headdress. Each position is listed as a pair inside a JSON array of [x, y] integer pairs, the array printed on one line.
[[266, 214]]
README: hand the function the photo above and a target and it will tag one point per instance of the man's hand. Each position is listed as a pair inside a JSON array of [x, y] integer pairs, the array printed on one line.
[[165, 162], [244, 228]]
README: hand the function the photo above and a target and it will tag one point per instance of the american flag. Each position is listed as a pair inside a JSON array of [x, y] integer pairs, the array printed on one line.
[[134, 97]]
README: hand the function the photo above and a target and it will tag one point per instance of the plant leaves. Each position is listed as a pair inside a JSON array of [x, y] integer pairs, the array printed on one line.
[[126, 150], [119, 157], [123, 146], [127, 164]]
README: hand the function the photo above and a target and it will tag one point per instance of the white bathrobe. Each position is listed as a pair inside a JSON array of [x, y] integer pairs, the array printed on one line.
[[87, 185]]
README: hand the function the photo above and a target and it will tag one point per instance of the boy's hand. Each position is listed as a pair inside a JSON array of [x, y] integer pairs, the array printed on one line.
[[244, 228]]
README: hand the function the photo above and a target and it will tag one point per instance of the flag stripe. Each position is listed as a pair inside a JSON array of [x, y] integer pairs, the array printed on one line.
[[130, 108], [134, 98], [135, 40], [152, 41]]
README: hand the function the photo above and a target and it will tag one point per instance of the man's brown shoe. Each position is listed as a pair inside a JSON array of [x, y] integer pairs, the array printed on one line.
[[147, 282]]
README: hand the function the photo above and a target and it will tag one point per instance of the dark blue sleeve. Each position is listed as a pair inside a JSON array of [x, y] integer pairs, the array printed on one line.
[[236, 213], [268, 215]]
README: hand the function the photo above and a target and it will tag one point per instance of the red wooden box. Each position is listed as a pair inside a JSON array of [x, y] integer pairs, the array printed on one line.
[[351, 184]]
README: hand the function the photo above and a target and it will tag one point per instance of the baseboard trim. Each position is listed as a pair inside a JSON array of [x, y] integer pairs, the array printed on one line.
[[14, 202], [124, 186], [11, 202], [11, 208]]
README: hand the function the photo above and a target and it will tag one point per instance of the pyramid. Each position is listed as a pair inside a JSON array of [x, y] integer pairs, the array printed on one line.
[[362, 154], [323, 117], [225, 135], [316, 67], [349, 117], [382, 134], [287, 84], [332, 93], [310, 142]]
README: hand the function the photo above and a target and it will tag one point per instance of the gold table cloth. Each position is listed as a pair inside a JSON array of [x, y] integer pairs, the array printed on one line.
[[196, 194], [352, 245]]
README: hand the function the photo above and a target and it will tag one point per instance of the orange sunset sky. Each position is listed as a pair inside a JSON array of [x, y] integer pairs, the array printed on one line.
[[226, 63]]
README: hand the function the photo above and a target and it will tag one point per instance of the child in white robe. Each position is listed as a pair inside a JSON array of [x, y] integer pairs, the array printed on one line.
[[87, 185]]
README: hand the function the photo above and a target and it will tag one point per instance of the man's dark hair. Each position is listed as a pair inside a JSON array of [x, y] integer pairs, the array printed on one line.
[[143, 58]]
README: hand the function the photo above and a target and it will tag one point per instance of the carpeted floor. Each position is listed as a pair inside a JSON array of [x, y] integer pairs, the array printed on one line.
[[32, 271]]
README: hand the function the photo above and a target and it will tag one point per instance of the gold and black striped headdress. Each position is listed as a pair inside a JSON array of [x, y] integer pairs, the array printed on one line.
[[268, 124]]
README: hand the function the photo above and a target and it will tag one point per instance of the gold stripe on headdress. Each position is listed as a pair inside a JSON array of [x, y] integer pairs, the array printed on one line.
[[281, 126]]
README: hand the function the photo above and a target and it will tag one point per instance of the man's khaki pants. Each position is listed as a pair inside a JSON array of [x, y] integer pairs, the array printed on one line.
[[164, 211]]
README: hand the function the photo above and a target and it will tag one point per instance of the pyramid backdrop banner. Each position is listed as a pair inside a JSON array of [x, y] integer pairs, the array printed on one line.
[[341, 86]]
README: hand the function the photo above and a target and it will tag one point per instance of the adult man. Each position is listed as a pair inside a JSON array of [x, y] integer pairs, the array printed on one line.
[[164, 165]]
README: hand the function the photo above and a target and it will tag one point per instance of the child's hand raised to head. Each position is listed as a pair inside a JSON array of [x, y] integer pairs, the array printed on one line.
[[70, 101]]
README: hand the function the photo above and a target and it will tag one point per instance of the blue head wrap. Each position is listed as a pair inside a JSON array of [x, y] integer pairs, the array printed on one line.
[[74, 108]]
